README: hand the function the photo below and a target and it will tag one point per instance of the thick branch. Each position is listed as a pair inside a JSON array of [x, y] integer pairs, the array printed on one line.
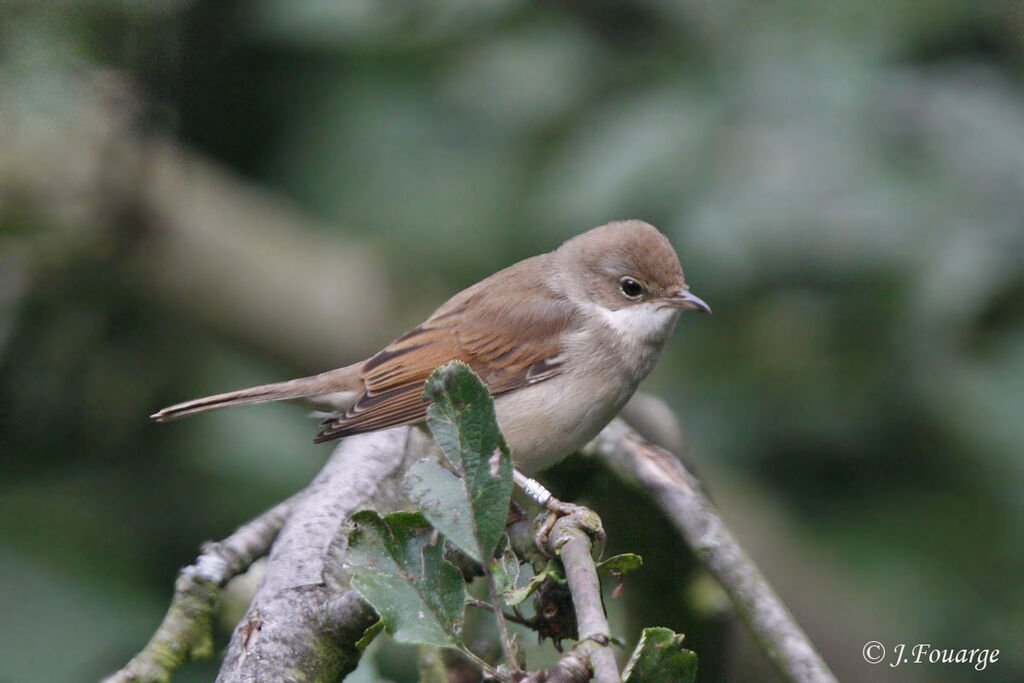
[[186, 628], [303, 619], [304, 622], [680, 495]]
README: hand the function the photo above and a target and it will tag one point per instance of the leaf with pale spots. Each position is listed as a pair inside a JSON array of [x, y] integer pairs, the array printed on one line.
[[397, 564], [470, 507]]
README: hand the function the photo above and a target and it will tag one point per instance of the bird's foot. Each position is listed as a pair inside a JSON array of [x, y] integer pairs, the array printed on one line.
[[582, 517]]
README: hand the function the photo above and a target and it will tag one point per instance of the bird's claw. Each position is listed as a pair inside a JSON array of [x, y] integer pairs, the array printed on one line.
[[582, 517]]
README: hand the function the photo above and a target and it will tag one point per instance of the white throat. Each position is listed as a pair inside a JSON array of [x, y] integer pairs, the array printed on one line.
[[646, 323]]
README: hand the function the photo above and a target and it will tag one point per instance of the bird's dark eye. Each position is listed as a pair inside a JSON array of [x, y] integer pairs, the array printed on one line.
[[631, 288]]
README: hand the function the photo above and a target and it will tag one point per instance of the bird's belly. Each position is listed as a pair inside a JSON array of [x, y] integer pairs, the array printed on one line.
[[546, 422]]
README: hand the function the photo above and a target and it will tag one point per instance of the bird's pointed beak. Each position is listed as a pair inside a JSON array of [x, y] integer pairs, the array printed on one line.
[[687, 301]]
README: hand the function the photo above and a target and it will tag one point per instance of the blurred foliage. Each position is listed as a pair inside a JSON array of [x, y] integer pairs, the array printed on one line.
[[844, 184]]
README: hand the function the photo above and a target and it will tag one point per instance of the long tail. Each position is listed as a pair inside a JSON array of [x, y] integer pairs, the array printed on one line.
[[342, 381]]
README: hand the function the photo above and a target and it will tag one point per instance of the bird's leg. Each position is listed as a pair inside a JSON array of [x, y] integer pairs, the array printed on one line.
[[531, 487], [586, 519]]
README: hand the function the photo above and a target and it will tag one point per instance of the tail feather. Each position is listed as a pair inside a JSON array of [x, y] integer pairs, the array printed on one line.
[[335, 382]]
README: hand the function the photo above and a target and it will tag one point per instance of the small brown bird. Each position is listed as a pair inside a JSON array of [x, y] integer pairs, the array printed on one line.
[[561, 340]]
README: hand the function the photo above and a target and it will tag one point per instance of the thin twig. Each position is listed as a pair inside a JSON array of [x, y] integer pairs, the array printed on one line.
[[680, 495], [572, 542], [506, 641], [186, 628]]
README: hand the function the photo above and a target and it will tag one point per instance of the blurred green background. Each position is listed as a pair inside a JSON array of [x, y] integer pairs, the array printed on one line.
[[196, 196]]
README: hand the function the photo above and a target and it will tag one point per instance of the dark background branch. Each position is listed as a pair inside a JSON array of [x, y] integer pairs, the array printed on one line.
[[659, 474]]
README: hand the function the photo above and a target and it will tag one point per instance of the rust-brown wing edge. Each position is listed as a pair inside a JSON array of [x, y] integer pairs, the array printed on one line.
[[508, 346]]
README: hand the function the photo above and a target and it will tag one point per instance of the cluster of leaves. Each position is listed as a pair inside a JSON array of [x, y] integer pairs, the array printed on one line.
[[397, 562]]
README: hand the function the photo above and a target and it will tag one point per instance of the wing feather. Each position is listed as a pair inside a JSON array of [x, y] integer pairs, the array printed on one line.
[[510, 344]]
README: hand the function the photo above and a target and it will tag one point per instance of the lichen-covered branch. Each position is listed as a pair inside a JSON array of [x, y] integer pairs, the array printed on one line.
[[186, 628], [663, 477], [302, 618], [304, 621]]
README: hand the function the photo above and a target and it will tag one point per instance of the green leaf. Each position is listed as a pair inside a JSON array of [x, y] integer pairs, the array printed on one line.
[[441, 496], [370, 634], [505, 571], [552, 571], [618, 565], [660, 657], [396, 563], [470, 509]]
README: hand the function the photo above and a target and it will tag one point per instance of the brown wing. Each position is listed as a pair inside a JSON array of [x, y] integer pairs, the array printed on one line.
[[508, 343]]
